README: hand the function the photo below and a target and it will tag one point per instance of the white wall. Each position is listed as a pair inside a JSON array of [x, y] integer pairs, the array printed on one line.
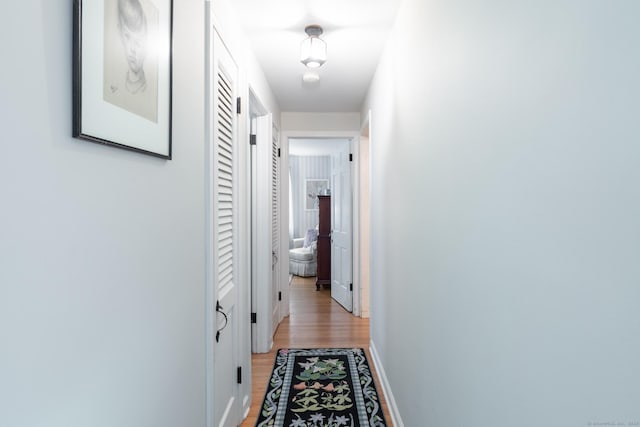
[[320, 122], [101, 250], [505, 206]]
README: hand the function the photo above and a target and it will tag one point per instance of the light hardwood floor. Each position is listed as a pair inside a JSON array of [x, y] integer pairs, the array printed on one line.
[[315, 321]]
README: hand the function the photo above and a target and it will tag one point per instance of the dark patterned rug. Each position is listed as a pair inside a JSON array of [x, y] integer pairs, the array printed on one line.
[[321, 387]]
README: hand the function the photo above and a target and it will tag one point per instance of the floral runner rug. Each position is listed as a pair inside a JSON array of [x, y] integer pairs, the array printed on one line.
[[321, 387]]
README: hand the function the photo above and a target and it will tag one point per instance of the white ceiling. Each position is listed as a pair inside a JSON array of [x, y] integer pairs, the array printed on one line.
[[355, 32]]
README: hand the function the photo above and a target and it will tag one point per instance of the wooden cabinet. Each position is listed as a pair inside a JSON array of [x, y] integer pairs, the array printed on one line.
[[324, 242]]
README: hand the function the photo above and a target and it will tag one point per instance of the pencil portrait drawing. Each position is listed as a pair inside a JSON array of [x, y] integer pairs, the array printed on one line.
[[130, 60]]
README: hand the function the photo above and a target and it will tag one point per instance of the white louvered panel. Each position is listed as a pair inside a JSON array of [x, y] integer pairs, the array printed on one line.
[[275, 227], [225, 124], [224, 91], [274, 190], [225, 183]]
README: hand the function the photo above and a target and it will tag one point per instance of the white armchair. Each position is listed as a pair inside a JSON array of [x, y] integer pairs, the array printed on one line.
[[303, 261]]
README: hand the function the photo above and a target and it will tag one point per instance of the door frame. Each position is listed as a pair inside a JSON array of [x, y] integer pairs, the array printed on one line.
[[362, 227], [285, 136]]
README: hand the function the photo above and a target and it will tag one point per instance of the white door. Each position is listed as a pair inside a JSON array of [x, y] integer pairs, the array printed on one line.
[[264, 223], [276, 295], [222, 239], [341, 224]]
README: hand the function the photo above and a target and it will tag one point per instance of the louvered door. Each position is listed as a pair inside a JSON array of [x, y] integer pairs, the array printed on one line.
[[265, 226], [275, 228], [224, 183], [227, 405]]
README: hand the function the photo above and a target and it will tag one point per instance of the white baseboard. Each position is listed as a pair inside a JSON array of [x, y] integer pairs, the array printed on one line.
[[386, 388], [246, 403]]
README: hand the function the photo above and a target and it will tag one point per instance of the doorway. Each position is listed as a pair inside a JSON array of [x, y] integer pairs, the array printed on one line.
[[266, 283], [322, 166]]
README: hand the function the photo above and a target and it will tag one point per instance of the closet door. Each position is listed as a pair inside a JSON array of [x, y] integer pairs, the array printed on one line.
[[222, 218], [276, 295], [265, 223]]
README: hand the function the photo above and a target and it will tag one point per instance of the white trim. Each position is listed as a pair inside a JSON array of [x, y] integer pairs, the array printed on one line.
[[355, 230], [363, 310], [386, 387], [246, 404], [210, 289], [244, 247]]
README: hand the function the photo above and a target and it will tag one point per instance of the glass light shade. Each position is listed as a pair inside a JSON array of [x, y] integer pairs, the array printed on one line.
[[310, 77], [313, 52]]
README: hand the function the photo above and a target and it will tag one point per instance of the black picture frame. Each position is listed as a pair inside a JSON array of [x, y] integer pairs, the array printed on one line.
[[122, 74]]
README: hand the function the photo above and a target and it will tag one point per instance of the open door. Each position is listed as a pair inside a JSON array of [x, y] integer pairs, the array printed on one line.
[[341, 225]]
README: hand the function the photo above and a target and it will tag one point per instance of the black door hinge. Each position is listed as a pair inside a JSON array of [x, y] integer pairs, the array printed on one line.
[[350, 157], [351, 287], [254, 317], [279, 296], [238, 105], [253, 139], [278, 152], [239, 374]]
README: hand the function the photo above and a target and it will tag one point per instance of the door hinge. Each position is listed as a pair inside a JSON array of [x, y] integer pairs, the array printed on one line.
[[279, 296], [278, 152], [350, 157], [351, 287], [253, 139], [254, 317], [239, 105], [239, 374]]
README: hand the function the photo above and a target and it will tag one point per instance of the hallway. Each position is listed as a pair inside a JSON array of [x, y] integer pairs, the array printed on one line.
[[315, 321]]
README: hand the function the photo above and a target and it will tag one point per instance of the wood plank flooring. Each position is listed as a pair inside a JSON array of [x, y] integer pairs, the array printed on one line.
[[315, 321]]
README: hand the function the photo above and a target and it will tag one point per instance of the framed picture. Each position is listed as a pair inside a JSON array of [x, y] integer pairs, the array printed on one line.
[[122, 74], [313, 188]]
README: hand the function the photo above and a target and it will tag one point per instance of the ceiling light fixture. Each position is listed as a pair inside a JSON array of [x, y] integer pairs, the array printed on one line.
[[313, 50]]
